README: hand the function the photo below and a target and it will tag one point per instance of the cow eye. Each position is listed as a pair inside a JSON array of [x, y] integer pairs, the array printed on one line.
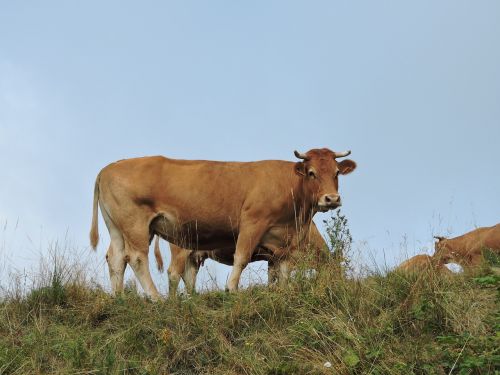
[[311, 174], [337, 174]]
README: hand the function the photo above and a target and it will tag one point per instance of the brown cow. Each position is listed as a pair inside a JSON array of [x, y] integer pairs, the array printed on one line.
[[422, 263], [205, 205], [467, 249], [186, 263]]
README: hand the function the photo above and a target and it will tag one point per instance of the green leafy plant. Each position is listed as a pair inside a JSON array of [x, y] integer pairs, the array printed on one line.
[[339, 239]]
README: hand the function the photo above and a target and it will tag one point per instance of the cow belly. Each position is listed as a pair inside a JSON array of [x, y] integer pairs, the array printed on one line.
[[193, 235]]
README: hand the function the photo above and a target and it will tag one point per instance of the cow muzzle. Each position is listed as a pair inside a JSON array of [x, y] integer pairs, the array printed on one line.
[[329, 202]]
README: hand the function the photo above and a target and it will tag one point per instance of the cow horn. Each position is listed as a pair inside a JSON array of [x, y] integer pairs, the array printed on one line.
[[440, 238], [342, 154], [301, 156]]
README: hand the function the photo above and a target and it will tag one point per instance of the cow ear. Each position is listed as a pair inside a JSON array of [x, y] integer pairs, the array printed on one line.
[[300, 168], [346, 166]]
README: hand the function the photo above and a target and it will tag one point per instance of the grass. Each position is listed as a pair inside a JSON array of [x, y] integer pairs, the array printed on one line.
[[324, 324]]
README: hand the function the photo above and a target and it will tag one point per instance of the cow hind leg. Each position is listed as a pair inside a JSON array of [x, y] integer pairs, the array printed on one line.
[[189, 276], [137, 257], [178, 259], [173, 282], [115, 257]]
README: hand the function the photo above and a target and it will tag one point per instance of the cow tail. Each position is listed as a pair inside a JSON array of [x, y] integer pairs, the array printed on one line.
[[159, 259], [94, 230]]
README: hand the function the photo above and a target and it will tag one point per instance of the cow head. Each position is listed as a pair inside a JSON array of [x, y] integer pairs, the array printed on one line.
[[320, 169]]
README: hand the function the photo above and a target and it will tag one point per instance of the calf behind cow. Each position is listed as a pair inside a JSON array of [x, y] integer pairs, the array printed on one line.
[[204, 205], [185, 264]]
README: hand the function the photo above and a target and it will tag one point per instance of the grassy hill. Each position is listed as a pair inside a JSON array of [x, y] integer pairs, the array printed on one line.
[[325, 324]]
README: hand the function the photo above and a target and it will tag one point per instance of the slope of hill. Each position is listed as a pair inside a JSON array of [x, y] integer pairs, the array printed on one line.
[[325, 324]]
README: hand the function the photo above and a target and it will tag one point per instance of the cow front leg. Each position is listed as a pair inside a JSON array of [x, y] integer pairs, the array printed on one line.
[[284, 272], [248, 239]]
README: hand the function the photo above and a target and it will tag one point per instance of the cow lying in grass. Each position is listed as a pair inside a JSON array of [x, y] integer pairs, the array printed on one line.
[[467, 249], [185, 264], [423, 263]]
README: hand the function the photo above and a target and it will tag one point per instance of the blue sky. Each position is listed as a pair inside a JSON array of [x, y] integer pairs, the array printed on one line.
[[413, 89]]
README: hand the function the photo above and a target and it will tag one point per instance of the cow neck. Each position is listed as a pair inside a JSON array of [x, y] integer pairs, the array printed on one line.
[[303, 207]]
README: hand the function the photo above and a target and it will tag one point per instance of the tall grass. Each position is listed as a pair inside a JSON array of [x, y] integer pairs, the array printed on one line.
[[326, 323], [59, 320]]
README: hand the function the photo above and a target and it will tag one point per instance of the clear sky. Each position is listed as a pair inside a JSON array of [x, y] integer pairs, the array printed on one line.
[[412, 88]]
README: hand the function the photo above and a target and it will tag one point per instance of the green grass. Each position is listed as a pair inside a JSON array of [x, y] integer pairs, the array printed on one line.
[[382, 324]]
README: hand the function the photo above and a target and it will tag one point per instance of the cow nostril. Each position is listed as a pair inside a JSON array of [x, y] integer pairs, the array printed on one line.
[[335, 198], [332, 198]]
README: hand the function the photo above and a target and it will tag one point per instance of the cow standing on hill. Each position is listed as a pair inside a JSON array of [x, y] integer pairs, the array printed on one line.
[[185, 264], [467, 249], [205, 205]]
